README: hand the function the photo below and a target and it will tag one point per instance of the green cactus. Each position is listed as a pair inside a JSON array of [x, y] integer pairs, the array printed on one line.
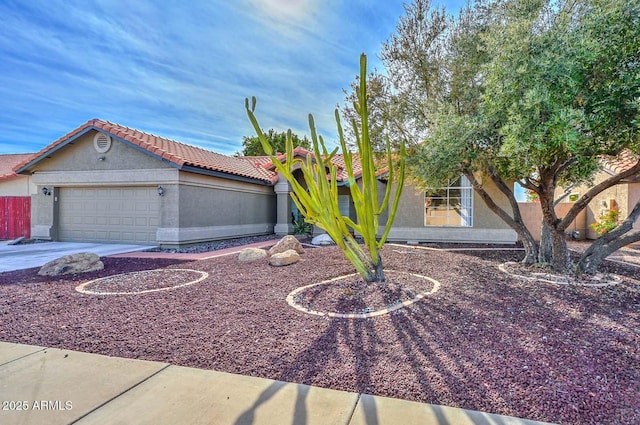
[[318, 202]]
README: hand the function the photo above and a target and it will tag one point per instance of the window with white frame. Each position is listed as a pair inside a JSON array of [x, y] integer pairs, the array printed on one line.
[[451, 205]]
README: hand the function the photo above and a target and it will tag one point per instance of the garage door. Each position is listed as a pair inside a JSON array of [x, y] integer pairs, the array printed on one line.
[[110, 214]]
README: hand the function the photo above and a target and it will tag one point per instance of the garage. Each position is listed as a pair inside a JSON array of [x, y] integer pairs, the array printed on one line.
[[109, 214]]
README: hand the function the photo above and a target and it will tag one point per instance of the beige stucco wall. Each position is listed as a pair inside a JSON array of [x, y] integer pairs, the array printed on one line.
[[602, 202], [487, 226], [17, 186], [194, 207], [80, 155], [532, 217], [198, 208]]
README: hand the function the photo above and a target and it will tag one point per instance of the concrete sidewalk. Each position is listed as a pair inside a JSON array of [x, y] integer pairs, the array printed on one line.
[[19, 257], [41, 385]]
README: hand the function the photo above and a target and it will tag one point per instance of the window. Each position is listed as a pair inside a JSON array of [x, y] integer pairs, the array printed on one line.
[[343, 204], [450, 206]]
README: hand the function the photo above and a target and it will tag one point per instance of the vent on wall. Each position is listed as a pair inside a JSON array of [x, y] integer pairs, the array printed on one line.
[[101, 142]]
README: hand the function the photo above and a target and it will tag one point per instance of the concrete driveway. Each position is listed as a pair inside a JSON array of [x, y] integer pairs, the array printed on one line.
[[18, 257]]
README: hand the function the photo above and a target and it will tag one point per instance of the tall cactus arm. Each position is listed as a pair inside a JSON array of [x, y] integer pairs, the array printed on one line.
[[319, 199]]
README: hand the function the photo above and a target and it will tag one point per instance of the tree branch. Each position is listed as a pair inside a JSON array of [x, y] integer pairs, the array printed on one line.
[[595, 190]]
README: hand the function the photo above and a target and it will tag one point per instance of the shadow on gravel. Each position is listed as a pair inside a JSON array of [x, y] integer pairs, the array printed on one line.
[[361, 339]]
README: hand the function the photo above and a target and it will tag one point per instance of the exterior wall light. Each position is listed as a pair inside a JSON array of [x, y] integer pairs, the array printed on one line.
[[101, 158], [46, 191], [160, 190]]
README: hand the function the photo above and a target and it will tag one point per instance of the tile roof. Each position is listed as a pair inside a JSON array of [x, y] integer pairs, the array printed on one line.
[[178, 153], [9, 162], [337, 160], [617, 164], [182, 155]]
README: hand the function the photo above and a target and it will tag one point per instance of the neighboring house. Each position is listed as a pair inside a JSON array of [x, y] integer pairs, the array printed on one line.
[[623, 196], [15, 198], [105, 182], [12, 184]]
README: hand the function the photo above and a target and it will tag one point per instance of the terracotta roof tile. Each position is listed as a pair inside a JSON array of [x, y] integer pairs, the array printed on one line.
[[338, 161], [9, 162], [176, 152], [616, 164], [253, 167]]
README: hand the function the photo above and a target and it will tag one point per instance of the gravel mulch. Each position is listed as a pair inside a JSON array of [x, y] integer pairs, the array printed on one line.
[[484, 341]]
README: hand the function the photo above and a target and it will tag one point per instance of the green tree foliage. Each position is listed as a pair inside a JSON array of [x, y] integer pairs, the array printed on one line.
[[563, 87], [317, 199], [435, 62], [251, 145], [528, 90]]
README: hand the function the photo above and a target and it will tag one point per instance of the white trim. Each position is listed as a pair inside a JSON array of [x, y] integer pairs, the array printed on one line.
[[451, 234], [142, 177], [176, 235], [466, 204]]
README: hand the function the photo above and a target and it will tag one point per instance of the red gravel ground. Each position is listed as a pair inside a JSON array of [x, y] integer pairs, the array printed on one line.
[[485, 340]]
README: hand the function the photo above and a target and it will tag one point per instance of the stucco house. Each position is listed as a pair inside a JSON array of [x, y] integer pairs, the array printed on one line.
[[15, 198], [623, 196], [110, 183], [12, 184]]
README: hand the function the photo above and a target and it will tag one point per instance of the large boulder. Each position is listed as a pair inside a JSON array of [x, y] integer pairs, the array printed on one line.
[[72, 264], [251, 254], [322, 239], [284, 258], [285, 244]]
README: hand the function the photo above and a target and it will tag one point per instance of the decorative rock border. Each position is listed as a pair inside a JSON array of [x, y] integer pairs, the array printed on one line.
[[81, 288], [541, 277], [291, 299]]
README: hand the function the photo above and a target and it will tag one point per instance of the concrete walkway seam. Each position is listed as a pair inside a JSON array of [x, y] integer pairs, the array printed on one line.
[[121, 394], [22, 357]]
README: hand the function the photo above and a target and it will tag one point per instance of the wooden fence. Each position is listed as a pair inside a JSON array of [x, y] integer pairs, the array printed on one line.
[[15, 217]]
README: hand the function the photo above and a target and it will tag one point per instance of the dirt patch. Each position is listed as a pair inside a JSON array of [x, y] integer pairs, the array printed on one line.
[[544, 274], [484, 341], [142, 282], [351, 296]]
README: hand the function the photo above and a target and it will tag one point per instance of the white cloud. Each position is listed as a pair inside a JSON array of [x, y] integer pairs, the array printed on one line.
[[181, 70]]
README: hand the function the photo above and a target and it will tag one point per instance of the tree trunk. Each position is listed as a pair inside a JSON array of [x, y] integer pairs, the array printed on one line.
[[561, 261], [609, 243], [545, 250], [515, 222], [379, 272], [530, 248]]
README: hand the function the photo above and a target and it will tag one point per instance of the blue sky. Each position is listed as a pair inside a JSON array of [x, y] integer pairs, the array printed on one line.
[[181, 69]]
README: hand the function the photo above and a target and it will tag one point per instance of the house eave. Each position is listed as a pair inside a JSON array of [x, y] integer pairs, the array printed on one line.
[[25, 168], [223, 175]]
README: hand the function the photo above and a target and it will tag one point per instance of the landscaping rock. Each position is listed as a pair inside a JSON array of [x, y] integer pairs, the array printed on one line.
[[322, 239], [251, 254], [72, 264], [286, 243], [284, 258]]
